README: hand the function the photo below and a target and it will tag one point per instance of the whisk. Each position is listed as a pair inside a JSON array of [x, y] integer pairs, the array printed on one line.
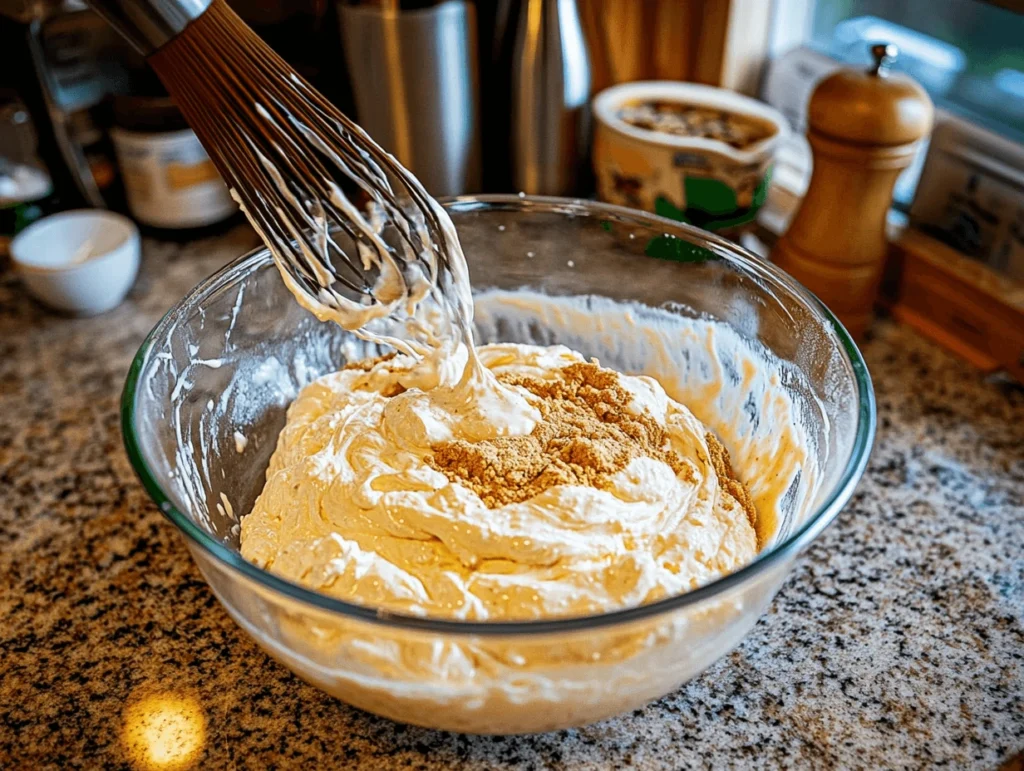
[[292, 161]]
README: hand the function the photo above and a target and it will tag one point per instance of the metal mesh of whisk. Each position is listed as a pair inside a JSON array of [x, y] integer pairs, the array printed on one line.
[[293, 160]]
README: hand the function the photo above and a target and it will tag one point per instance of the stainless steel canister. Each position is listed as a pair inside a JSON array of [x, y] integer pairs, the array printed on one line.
[[550, 95], [414, 77]]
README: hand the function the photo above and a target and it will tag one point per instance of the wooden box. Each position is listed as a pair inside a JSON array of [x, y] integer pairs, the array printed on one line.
[[960, 303]]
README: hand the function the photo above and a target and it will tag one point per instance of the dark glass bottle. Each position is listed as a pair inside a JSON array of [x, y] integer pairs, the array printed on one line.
[[172, 188]]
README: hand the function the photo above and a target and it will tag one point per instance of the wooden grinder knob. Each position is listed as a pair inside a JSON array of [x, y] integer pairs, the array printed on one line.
[[864, 129]]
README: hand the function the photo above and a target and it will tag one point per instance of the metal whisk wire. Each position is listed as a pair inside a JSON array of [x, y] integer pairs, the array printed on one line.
[[288, 155]]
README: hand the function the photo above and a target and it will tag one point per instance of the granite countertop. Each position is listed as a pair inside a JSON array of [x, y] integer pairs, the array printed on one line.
[[897, 642]]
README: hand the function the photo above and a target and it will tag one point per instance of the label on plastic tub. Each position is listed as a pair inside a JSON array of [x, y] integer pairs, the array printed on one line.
[[169, 179]]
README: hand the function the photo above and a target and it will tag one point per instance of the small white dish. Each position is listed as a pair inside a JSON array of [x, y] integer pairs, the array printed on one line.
[[83, 261]]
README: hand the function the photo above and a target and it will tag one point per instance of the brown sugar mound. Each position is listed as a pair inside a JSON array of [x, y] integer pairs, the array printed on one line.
[[586, 434]]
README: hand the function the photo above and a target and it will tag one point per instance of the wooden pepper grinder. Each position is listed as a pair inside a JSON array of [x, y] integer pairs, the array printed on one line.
[[864, 129]]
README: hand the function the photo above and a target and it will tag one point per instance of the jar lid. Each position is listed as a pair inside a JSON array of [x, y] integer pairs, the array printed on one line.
[[149, 114], [872, 107]]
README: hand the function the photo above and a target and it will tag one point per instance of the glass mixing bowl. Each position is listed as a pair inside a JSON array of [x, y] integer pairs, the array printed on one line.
[[207, 393]]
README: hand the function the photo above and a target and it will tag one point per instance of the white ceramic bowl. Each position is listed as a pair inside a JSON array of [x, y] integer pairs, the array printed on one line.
[[81, 261]]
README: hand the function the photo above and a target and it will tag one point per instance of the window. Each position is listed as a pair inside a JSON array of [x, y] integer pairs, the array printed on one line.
[[968, 54]]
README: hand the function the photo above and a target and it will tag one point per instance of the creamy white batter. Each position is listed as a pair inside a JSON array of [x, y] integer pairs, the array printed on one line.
[[508, 684], [352, 508]]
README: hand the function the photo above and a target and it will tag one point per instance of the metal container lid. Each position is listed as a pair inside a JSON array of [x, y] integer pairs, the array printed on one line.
[[148, 114]]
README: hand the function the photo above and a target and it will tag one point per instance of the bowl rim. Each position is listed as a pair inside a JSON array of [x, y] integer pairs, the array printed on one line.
[[232, 560]]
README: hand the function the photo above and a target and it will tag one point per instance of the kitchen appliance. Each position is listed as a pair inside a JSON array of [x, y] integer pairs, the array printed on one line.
[[69, 61], [25, 185], [414, 75], [75, 63], [551, 88]]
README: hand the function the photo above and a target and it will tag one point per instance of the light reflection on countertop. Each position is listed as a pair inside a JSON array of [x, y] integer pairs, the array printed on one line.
[[163, 731]]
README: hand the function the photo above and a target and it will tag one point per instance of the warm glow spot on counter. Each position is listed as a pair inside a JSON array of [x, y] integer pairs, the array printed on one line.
[[164, 732]]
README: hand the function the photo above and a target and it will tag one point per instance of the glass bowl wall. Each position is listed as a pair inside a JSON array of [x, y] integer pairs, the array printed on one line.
[[207, 393]]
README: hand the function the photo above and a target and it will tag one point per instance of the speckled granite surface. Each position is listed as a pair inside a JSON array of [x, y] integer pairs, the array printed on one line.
[[898, 642]]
